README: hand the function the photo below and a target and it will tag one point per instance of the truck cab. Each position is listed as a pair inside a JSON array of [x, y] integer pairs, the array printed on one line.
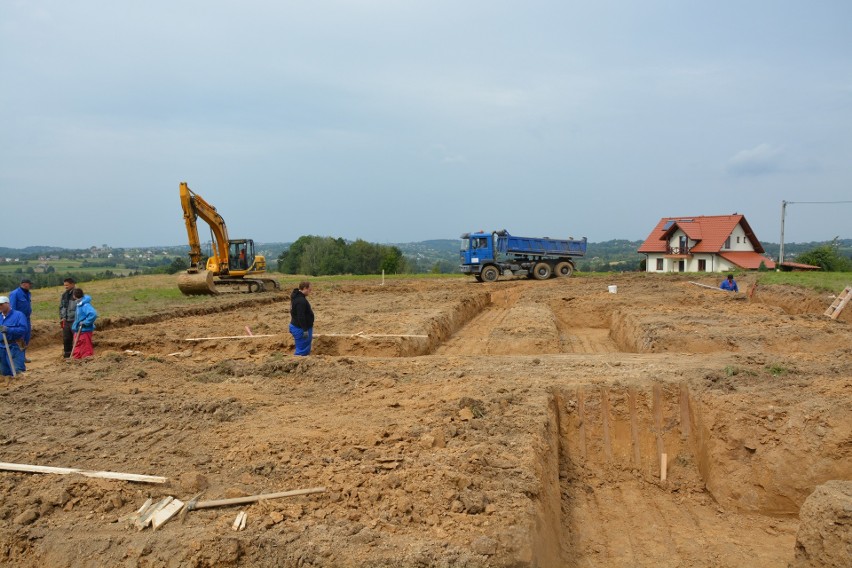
[[477, 250]]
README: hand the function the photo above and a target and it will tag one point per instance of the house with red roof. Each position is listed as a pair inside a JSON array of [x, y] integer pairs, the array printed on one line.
[[706, 243]]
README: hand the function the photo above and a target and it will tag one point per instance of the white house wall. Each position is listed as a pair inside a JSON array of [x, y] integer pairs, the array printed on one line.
[[739, 240], [715, 263]]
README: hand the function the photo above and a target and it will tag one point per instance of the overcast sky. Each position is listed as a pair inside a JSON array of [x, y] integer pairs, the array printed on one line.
[[398, 121]]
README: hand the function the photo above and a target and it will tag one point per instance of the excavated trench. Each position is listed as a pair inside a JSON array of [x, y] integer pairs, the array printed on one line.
[[632, 477], [511, 320]]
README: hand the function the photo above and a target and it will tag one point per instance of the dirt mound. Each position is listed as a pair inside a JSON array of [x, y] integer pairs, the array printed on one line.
[[824, 538]]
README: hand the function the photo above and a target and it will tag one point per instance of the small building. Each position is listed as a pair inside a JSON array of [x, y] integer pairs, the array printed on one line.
[[707, 243], [797, 267]]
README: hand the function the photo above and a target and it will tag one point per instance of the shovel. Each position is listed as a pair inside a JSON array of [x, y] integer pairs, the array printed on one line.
[[76, 337], [9, 354]]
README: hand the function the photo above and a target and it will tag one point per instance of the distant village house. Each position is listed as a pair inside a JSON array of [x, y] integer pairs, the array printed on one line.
[[712, 243]]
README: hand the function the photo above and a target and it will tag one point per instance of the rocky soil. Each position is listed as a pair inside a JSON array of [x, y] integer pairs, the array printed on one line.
[[451, 423]]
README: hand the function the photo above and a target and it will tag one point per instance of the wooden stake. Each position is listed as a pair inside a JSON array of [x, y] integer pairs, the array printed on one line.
[[663, 465], [67, 470], [236, 524]]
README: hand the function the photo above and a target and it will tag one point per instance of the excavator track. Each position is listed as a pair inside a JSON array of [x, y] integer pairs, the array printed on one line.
[[204, 283]]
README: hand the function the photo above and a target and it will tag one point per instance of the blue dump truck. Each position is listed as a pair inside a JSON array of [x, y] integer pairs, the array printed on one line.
[[488, 255]]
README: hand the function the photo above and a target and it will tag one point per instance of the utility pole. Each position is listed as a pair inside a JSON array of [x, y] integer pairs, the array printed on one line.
[[781, 252]]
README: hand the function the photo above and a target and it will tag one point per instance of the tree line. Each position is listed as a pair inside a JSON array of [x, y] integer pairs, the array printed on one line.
[[323, 256]]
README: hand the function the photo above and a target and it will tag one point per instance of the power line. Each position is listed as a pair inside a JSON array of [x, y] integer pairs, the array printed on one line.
[[807, 202]]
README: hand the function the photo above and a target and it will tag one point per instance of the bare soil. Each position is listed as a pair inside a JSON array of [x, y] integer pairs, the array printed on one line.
[[452, 423]]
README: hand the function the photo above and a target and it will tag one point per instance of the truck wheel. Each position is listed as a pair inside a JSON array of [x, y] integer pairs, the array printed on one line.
[[490, 273], [541, 271], [564, 269]]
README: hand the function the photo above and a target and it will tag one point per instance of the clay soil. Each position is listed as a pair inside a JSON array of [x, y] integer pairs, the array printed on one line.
[[451, 423]]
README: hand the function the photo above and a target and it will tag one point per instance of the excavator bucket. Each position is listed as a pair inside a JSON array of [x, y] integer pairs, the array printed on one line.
[[197, 283]]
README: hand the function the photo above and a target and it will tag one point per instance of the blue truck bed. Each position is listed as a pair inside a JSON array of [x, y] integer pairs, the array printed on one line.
[[507, 244]]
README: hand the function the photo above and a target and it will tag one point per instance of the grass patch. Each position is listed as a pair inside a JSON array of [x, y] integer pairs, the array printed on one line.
[[777, 370], [731, 371], [820, 281]]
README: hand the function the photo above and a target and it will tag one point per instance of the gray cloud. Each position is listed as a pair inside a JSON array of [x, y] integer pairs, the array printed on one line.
[[763, 159]]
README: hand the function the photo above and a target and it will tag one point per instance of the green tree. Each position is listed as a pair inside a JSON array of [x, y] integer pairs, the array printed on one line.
[[392, 261], [826, 257]]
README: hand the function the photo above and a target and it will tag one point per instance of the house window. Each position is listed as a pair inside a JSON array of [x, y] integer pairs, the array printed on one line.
[[659, 264], [702, 265], [727, 243], [738, 240]]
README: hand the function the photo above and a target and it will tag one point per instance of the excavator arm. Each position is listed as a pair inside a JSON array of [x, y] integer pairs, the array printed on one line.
[[194, 206]]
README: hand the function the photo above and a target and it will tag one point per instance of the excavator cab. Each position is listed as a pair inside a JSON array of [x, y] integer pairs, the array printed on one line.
[[240, 256]]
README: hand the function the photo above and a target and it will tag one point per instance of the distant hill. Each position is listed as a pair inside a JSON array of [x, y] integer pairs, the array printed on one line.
[[30, 251], [442, 255]]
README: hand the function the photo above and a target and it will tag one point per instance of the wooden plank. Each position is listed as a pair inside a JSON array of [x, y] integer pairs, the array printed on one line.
[[145, 520], [26, 468], [229, 337], [255, 498], [165, 513], [134, 516], [368, 335], [706, 286]]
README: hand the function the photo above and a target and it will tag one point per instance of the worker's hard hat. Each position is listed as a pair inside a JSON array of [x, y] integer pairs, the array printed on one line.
[[4, 300]]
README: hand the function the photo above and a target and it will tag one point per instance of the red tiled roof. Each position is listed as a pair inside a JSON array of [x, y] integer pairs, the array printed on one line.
[[747, 259], [709, 230]]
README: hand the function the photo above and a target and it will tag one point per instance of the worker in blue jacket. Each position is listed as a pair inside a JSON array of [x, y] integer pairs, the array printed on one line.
[[13, 326], [84, 325], [730, 284], [21, 301]]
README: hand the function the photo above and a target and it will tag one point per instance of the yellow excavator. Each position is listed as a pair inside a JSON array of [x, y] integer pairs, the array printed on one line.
[[232, 263]]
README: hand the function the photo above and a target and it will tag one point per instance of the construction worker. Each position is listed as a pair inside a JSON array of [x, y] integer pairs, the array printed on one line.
[[21, 301], [301, 318], [67, 313], [13, 326], [84, 325], [729, 284]]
